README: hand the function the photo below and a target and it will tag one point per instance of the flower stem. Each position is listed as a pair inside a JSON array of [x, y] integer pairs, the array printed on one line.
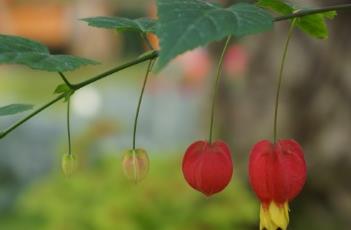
[[149, 68], [150, 56], [215, 90], [69, 126], [280, 78]]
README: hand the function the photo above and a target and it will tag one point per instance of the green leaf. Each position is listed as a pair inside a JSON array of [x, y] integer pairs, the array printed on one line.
[[18, 50], [14, 109], [279, 6], [64, 89], [187, 24], [314, 25], [143, 25]]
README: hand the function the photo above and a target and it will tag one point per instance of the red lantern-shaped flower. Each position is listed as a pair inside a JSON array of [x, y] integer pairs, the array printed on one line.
[[208, 167], [277, 174]]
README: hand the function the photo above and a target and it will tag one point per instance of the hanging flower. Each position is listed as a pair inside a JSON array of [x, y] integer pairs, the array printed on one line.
[[135, 164], [68, 164], [208, 167], [277, 174]]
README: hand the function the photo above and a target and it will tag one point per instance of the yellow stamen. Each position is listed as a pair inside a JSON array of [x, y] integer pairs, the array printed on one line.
[[274, 216]]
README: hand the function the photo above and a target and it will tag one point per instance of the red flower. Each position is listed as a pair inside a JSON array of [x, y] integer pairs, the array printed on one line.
[[208, 167], [277, 174]]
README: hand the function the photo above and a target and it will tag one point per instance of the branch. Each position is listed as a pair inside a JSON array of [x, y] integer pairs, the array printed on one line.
[[152, 55], [19, 123], [302, 13], [149, 56]]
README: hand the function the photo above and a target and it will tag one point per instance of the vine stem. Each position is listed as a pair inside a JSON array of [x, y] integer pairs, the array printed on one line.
[[149, 68], [280, 78], [302, 13], [216, 86], [69, 126], [75, 87], [154, 55]]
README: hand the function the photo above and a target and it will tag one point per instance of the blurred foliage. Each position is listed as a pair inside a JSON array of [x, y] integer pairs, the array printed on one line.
[[100, 197]]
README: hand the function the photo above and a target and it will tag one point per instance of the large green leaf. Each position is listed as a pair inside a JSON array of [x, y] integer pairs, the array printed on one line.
[[187, 24], [14, 108], [18, 50], [313, 25], [143, 25]]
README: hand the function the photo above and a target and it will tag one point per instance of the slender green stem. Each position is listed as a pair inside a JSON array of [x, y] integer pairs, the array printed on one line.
[[19, 123], [141, 59], [280, 78], [302, 13], [216, 86], [154, 55], [65, 80], [69, 126], [149, 68]]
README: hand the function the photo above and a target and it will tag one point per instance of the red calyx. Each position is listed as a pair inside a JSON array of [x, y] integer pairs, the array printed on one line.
[[277, 171], [208, 167]]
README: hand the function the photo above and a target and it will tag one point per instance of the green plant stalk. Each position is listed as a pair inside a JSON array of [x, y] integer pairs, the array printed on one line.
[[20, 122], [154, 55], [149, 68], [216, 87], [280, 78], [65, 80], [69, 126], [302, 13], [150, 56], [141, 59]]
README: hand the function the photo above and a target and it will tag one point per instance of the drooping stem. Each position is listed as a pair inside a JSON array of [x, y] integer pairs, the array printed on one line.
[[154, 55], [69, 126], [216, 86], [149, 68], [280, 78]]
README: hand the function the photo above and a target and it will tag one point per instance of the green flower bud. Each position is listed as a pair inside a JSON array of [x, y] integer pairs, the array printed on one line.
[[68, 164], [135, 164]]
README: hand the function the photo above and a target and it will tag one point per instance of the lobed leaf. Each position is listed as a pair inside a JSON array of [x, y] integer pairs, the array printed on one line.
[[186, 24], [14, 109], [18, 50]]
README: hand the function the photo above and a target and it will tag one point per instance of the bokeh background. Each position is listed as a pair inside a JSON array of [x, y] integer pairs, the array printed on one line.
[[315, 110]]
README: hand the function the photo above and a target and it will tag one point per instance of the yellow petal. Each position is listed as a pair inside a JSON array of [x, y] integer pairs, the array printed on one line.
[[278, 215], [266, 222], [274, 216]]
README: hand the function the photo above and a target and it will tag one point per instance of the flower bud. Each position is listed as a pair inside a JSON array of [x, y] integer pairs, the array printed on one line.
[[69, 164], [135, 164]]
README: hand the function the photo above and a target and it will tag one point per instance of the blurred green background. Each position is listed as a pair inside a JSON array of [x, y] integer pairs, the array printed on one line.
[[315, 110]]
